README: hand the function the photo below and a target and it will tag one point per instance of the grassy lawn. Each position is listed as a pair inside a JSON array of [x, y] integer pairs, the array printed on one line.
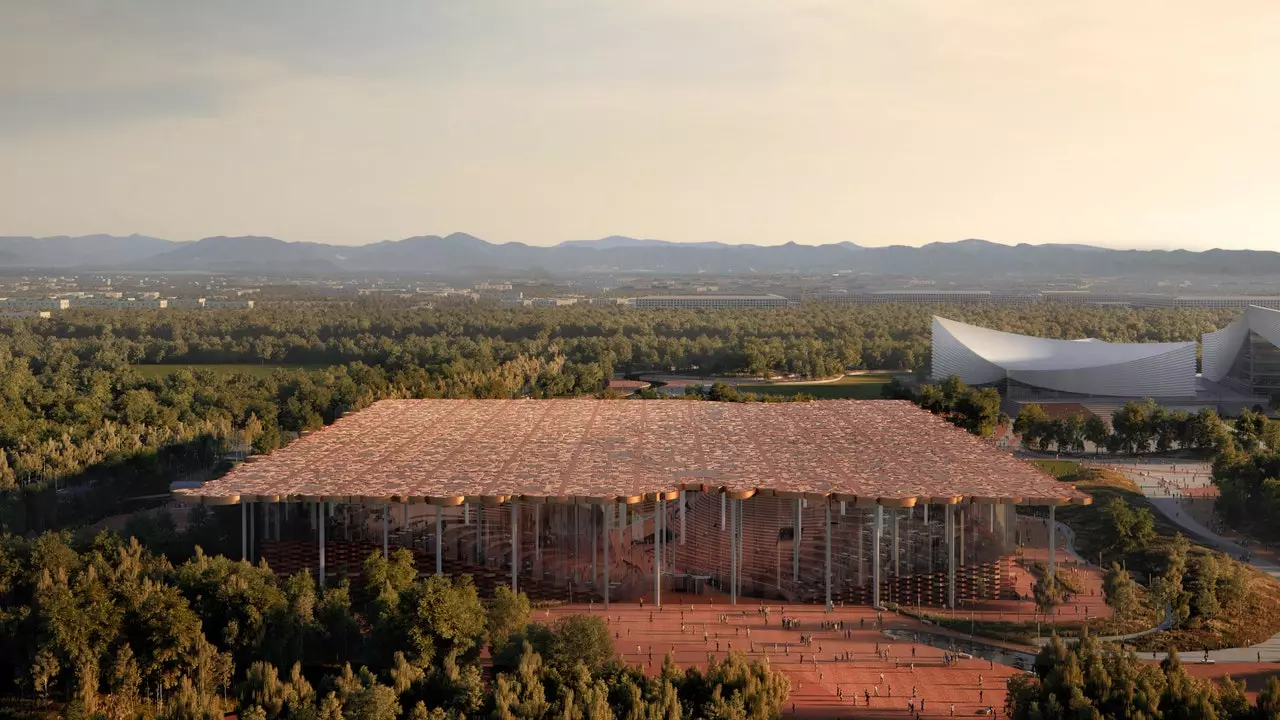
[[254, 369], [865, 386], [1058, 468]]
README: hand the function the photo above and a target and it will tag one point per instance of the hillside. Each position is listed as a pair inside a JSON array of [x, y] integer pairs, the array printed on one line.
[[460, 252]]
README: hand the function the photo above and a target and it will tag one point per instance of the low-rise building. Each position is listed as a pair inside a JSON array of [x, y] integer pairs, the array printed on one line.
[[11, 304], [229, 304], [710, 301]]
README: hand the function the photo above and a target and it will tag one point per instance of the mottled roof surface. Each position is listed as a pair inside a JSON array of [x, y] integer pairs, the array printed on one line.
[[866, 451]]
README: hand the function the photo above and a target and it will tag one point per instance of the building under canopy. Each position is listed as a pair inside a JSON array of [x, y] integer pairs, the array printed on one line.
[[691, 489]]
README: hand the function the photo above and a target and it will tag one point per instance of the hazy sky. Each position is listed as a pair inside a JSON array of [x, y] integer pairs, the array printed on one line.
[[1130, 123]]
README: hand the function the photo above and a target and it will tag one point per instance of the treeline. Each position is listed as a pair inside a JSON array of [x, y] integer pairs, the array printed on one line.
[[1089, 680], [1247, 474], [82, 431], [814, 340], [110, 630], [1137, 427]]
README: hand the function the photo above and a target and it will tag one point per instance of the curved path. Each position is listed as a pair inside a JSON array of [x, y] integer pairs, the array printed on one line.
[[1153, 479]]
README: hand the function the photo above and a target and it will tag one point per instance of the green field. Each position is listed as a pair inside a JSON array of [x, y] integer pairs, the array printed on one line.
[[1058, 468], [254, 369], [866, 386]]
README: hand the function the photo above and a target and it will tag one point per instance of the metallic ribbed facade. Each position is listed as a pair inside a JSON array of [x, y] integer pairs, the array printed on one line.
[[1243, 354], [980, 356]]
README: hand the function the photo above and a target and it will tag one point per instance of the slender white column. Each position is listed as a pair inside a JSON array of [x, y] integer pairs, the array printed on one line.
[[795, 542], [875, 556], [439, 540], [480, 559], [323, 521], [684, 510], [951, 557], [928, 539], [386, 531], [742, 511], [1053, 537], [827, 545], [466, 514], [897, 555], [858, 548], [604, 529], [253, 522], [657, 553], [723, 527], [515, 547], [733, 553]]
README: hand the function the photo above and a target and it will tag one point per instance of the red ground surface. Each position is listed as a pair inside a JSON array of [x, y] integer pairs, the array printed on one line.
[[816, 675], [815, 686], [1254, 675]]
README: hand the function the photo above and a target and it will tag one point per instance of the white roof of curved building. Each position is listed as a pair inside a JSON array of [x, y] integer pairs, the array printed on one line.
[[1089, 367], [1023, 352]]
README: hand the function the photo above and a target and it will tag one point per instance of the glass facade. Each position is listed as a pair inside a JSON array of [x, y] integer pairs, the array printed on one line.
[[1256, 368]]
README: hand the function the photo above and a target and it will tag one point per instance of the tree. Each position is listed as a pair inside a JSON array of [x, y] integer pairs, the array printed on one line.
[[1208, 432], [1096, 432], [1133, 528], [1030, 424], [1248, 430], [1120, 590], [508, 615], [1132, 425]]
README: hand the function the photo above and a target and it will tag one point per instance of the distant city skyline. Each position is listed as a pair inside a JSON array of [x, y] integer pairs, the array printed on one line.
[[1146, 124]]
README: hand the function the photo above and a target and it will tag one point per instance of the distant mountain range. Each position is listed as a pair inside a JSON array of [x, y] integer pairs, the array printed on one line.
[[462, 253]]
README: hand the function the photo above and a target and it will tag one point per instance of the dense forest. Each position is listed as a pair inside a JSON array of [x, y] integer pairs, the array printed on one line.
[[110, 630], [82, 430]]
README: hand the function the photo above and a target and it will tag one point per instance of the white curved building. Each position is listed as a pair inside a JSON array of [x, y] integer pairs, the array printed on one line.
[[1087, 367], [1244, 354]]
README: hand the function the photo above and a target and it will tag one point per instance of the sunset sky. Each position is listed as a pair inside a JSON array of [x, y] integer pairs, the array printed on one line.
[[1132, 123]]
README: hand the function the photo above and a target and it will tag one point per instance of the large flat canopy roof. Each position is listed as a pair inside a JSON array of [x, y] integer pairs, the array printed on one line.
[[597, 451]]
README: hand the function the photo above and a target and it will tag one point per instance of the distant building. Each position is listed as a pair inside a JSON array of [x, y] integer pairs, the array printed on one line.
[[710, 301], [1085, 367], [7, 304], [119, 304], [550, 302], [1087, 297], [904, 296], [25, 314], [229, 304], [1215, 301], [186, 302]]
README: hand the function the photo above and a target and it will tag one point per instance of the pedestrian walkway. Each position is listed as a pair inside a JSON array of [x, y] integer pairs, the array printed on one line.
[[1155, 481]]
